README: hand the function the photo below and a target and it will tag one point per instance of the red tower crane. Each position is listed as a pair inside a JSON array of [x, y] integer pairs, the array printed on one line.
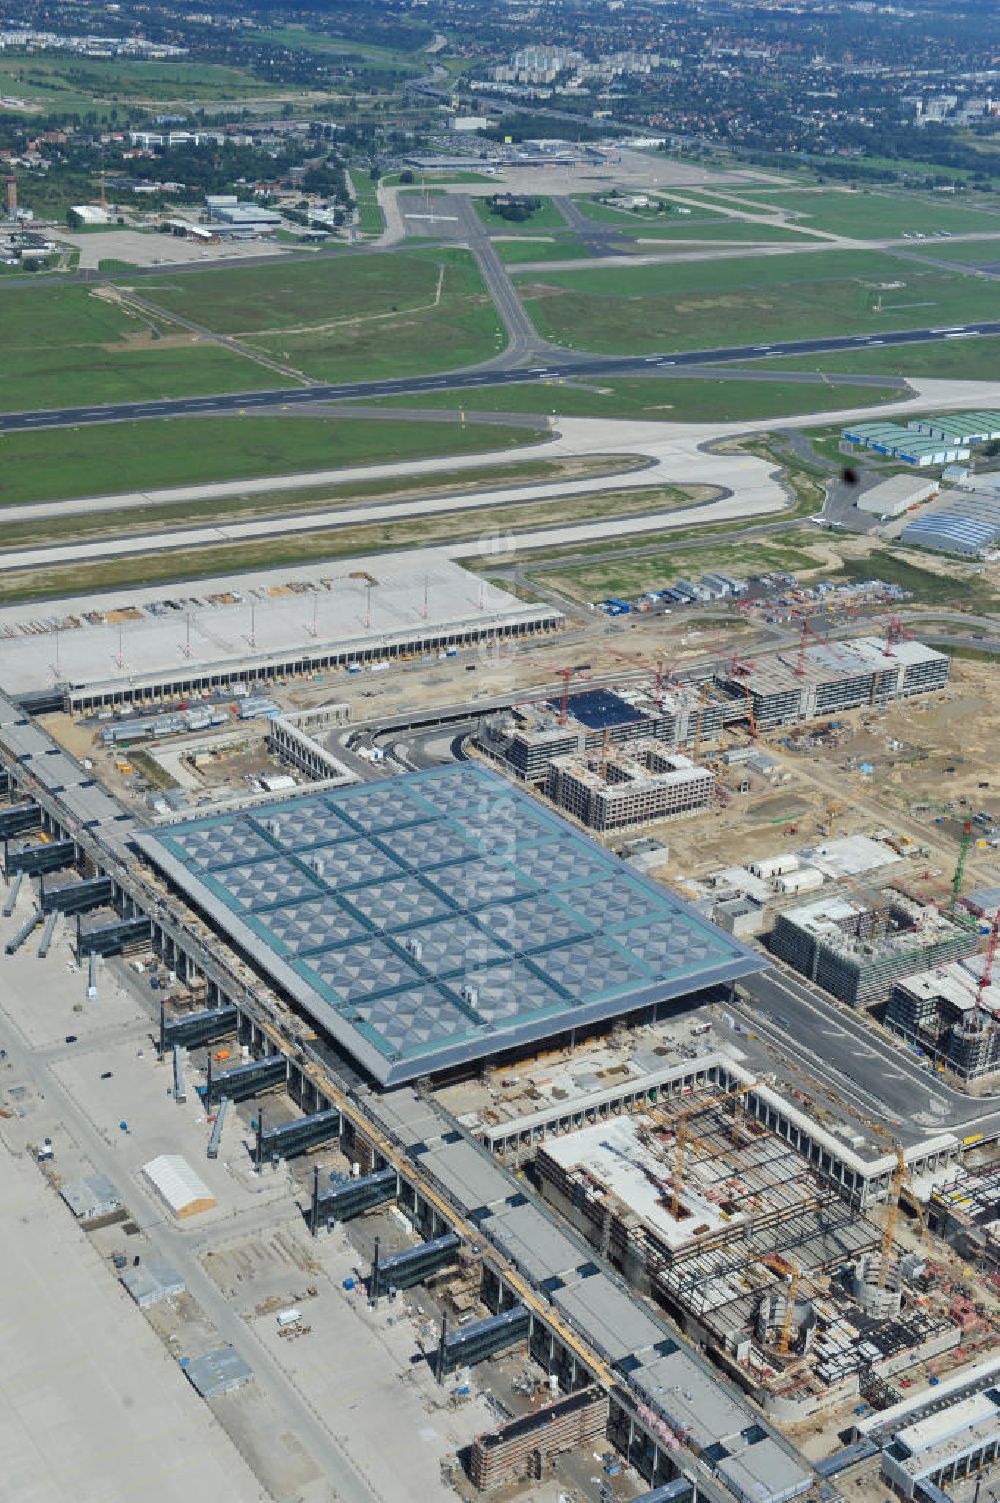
[[991, 954], [807, 631], [895, 632]]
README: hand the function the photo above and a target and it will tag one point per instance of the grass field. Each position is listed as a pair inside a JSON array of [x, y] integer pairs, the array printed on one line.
[[667, 400], [76, 85], [304, 39], [370, 221], [974, 252], [184, 451], [514, 252], [545, 217], [975, 359], [869, 215], [348, 542], [66, 346], [286, 294], [672, 226], [752, 299], [340, 318], [926, 585]]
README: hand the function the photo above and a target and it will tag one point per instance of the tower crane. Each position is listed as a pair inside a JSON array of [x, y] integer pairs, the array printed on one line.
[[986, 979], [889, 1235], [785, 1339], [963, 853], [682, 1134]]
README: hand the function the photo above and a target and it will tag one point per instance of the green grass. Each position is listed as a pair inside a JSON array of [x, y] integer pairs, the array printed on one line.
[[976, 359], [78, 85], [976, 252], [348, 542], [964, 591], [647, 224], [370, 221], [341, 318], [514, 252], [752, 299], [121, 457], [873, 215], [628, 576], [667, 400], [66, 346], [286, 294], [304, 39], [545, 217]]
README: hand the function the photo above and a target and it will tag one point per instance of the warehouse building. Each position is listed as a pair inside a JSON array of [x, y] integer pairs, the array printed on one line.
[[960, 427], [619, 791], [966, 523], [178, 1186], [858, 953], [890, 498], [828, 678], [904, 444]]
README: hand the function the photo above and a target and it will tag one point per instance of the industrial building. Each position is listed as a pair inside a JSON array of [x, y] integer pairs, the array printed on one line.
[[890, 498], [859, 952], [827, 678], [934, 1438], [143, 644], [618, 791], [945, 1447], [948, 1013], [442, 918], [229, 216]]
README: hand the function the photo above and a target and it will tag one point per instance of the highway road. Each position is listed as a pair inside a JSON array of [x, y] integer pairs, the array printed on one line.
[[567, 364], [850, 1054]]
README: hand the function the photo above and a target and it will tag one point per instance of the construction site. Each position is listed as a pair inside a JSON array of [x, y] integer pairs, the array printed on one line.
[[746, 1233]]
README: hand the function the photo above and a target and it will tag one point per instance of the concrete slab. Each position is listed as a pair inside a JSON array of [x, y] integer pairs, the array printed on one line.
[[91, 1408]]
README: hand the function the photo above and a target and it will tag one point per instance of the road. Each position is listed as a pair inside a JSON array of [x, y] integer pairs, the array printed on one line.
[[850, 1054], [564, 365]]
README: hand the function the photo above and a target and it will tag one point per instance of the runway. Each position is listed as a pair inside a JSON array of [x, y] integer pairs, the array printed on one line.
[[563, 366]]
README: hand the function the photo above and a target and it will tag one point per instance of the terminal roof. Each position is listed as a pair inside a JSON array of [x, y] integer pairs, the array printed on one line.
[[440, 917]]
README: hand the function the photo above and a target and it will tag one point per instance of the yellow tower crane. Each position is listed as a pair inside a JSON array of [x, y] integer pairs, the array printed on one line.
[[785, 1339], [682, 1134]]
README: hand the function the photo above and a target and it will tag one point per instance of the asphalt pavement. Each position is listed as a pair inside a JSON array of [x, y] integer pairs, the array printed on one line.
[[850, 1054]]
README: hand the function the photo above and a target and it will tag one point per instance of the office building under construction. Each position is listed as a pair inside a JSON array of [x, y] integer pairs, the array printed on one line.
[[814, 680], [826, 678], [952, 1015], [526, 738], [858, 952], [619, 790]]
